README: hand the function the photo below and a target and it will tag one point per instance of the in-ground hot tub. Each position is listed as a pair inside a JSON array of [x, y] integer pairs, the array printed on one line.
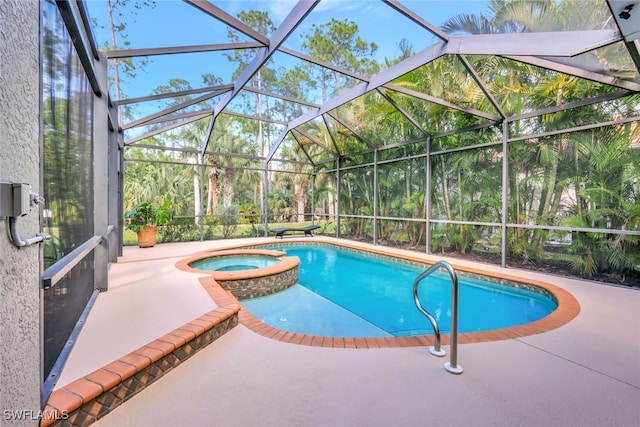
[[246, 273], [234, 262]]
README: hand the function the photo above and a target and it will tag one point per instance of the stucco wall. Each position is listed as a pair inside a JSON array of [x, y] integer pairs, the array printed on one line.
[[20, 380]]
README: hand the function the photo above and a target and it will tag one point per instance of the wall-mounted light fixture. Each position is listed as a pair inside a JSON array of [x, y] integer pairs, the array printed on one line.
[[626, 12]]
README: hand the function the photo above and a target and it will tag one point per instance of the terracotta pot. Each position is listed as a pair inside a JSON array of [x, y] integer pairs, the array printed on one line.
[[147, 237]]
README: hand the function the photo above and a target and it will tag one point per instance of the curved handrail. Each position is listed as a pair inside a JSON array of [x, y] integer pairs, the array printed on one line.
[[452, 366]]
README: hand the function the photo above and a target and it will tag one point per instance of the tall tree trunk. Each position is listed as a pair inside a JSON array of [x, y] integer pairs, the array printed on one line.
[[212, 194], [116, 62], [551, 183], [578, 185], [227, 187], [445, 191], [407, 180], [350, 193], [260, 137], [112, 31], [558, 145], [300, 189], [197, 207], [461, 203], [331, 199]]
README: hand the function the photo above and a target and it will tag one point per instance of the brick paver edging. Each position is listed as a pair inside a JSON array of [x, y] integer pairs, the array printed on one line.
[[568, 309], [90, 398]]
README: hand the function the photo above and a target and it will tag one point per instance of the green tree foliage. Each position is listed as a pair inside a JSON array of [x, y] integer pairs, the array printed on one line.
[[587, 179], [608, 197], [338, 43]]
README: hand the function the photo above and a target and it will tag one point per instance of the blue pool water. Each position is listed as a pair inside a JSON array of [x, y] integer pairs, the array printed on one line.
[[234, 262], [345, 294]]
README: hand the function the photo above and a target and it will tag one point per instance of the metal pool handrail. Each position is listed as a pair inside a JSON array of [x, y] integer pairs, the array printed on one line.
[[452, 365]]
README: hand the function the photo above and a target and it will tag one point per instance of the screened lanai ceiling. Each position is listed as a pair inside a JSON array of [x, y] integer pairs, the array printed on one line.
[[312, 81]]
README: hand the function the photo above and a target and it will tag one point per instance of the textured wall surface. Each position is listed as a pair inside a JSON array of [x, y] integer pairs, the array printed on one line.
[[20, 380]]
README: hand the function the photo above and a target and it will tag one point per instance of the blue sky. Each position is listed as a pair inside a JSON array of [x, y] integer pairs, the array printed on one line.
[[175, 23]]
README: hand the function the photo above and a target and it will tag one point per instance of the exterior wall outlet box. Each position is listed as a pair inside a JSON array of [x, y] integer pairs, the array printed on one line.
[[21, 199], [15, 199]]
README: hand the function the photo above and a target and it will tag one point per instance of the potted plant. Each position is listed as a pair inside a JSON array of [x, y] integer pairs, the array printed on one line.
[[145, 218]]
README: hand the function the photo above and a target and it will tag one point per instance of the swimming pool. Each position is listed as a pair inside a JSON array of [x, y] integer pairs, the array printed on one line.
[[344, 293]]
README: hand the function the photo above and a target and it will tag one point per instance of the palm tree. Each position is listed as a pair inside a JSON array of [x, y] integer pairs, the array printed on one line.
[[547, 170], [609, 198]]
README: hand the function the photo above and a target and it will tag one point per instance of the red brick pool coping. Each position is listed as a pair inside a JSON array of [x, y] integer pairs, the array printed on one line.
[[567, 310], [84, 401], [568, 307]]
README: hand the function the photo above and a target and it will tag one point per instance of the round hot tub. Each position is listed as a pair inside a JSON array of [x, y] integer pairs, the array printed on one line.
[[234, 262], [246, 273]]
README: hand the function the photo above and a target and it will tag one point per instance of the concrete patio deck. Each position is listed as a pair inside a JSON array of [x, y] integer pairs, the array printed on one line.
[[585, 373]]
